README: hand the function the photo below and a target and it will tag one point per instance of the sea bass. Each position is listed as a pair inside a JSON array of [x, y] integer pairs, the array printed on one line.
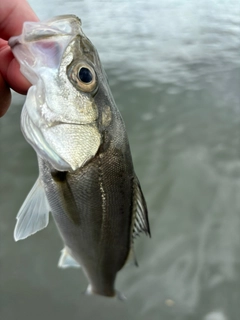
[[86, 176]]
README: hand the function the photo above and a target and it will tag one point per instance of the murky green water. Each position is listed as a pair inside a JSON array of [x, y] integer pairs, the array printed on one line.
[[174, 69]]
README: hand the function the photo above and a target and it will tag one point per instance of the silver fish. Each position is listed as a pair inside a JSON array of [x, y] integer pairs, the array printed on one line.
[[86, 176]]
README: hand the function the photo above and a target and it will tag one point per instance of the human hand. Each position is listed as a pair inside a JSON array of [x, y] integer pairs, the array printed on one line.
[[13, 14]]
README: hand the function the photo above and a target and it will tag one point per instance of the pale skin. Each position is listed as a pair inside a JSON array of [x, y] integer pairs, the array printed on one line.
[[13, 14]]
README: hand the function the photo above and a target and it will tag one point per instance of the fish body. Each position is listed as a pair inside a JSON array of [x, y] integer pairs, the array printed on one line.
[[86, 175]]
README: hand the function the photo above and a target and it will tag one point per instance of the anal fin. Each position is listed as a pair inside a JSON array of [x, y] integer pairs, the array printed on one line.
[[67, 261]]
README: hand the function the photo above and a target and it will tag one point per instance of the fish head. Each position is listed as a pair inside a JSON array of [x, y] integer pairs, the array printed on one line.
[[60, 117]]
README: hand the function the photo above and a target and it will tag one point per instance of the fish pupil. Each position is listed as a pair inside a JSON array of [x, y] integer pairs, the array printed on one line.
[[85, 75]]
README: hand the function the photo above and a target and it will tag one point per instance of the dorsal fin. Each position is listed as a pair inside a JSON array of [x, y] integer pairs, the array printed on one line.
[[140, 213]]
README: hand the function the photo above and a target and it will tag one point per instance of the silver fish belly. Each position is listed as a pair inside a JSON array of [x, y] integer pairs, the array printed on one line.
[[86, 176]]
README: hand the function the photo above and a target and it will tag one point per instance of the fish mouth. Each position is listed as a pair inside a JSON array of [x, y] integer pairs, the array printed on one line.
[[44, 39], [60, 26]]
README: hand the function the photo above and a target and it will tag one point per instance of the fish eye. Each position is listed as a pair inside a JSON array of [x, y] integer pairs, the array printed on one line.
[[83, 77]]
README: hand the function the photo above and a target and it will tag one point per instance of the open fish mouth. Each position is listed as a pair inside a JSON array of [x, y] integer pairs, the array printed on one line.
[[57, 27], [45, 39]]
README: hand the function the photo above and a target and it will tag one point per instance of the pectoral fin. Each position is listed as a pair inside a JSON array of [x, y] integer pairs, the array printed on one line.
[[33, 214], [140, 213], [67, 261]]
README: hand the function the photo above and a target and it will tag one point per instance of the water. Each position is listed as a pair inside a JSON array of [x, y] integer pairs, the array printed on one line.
[[174, 69]]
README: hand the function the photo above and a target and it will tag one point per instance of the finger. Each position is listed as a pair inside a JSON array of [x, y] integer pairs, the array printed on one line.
[[5, 95], [13, 14], [15, 78], [10, 70]]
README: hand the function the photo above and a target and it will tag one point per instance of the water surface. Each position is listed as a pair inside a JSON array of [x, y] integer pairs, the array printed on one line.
[[174, 69]]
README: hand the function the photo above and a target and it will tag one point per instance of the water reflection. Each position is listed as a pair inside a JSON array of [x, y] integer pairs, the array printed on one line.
[[174, 69]]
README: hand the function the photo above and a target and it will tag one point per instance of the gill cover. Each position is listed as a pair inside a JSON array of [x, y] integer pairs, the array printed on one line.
[[59, 117]]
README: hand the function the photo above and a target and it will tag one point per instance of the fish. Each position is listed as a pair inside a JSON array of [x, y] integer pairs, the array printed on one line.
[[86, 176]]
